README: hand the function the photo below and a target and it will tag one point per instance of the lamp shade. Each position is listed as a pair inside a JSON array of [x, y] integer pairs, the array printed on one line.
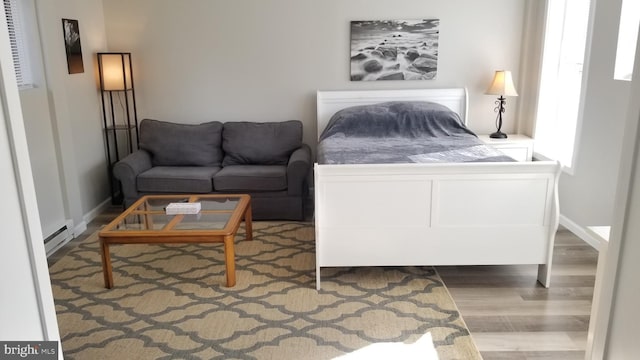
[[115, 71], [502, 84]]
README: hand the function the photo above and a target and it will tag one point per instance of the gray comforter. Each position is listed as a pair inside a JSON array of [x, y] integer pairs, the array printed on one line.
[[401, 132]]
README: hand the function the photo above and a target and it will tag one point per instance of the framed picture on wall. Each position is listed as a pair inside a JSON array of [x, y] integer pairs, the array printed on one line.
[[72, 46], [394, 49]]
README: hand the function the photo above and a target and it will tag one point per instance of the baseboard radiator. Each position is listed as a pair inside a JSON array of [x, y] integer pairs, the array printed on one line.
[[56, 240]]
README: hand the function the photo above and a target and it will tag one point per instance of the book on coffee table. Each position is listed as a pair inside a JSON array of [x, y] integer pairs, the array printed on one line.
[[182, 208]]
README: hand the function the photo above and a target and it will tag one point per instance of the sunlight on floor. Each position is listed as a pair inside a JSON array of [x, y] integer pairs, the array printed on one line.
[[421, 349]]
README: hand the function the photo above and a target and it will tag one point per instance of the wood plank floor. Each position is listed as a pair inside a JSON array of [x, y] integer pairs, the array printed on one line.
[[509, 314]]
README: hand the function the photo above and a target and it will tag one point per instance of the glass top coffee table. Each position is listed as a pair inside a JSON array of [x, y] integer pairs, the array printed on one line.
[[146, 222]]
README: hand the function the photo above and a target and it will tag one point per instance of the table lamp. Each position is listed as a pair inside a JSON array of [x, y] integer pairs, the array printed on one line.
[[502, 85]]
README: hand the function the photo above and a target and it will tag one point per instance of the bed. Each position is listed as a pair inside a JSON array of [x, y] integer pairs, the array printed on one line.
[[412, 213]]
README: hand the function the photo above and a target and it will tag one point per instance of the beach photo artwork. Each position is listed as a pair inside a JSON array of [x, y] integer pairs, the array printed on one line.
[[394, 49], [72, 47]]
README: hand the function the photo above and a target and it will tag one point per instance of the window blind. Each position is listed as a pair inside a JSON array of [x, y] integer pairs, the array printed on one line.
[[18, 46]]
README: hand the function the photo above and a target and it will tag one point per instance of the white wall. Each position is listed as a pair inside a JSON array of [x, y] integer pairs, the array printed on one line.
[[622, 342], [202, 60], [26, 305], [43, 149], [74, 104], [17, 279], [255, 60], [614, 331], [587, 196]]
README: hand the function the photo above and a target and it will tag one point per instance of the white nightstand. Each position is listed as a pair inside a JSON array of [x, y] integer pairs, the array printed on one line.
[[519, 147]]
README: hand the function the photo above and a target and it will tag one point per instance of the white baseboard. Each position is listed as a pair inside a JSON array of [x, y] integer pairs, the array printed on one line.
[[79, 229], [96, 211], [579, 231], [92, 214]]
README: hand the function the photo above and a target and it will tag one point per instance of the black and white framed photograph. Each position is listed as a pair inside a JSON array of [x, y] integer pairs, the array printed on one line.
[[394, 49], [72, 46]]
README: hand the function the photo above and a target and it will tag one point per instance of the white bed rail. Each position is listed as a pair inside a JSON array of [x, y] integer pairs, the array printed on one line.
[[436, 214]]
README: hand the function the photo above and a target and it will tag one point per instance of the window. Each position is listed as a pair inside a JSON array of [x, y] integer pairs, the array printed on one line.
[[12, 9], [627, 37], [561, 79]]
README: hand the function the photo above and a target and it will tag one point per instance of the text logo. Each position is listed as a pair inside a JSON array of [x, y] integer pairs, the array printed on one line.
[[34, 350]]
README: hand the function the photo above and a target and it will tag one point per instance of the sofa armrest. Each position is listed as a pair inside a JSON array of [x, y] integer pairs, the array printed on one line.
[[298, 170], [127, 171]]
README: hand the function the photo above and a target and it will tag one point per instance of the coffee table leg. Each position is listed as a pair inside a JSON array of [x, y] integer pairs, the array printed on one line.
[[106, 264], [247, 223], [230, 260]]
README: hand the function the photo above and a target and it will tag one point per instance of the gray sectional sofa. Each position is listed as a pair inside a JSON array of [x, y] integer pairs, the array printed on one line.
[[266, 160]]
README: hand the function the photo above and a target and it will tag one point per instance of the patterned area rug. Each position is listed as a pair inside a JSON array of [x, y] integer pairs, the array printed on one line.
[[170, 302]]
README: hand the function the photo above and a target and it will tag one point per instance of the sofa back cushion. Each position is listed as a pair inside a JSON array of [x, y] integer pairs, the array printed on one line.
[[172, 144], [249, 143]]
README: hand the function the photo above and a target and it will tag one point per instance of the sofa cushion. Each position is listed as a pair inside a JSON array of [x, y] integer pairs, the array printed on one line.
[[249, 178], [247, 143], [177, 179], [172, 144]]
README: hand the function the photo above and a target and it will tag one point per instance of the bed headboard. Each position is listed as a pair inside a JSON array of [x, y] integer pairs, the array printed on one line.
[[329, 102]]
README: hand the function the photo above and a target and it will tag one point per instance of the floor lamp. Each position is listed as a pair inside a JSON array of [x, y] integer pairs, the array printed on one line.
[[116, 85]]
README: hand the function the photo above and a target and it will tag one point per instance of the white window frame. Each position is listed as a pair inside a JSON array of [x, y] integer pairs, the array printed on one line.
[[627, 40], [546, 97]]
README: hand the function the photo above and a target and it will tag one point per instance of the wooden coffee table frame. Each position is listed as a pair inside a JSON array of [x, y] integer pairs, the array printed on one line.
[[168, 235]]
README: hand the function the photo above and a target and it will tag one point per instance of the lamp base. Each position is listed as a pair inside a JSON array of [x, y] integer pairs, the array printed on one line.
[[498, 135]]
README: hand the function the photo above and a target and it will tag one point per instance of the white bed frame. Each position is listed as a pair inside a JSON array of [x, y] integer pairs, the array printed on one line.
[[432, 214]]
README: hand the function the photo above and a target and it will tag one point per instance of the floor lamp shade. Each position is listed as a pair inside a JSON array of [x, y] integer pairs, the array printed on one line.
[[115, 71]]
